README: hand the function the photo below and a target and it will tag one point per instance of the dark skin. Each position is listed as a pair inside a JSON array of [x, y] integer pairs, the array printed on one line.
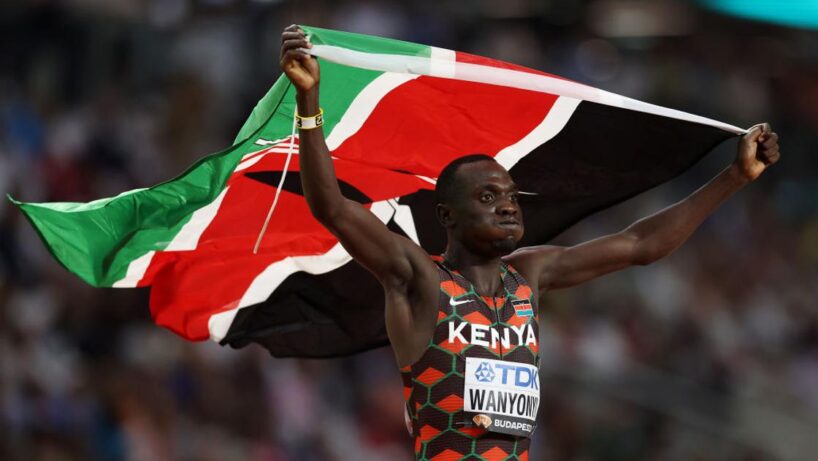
[[484, 222]]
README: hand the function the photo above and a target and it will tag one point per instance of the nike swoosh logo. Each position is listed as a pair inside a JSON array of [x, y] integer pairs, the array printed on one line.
[[453, 303]]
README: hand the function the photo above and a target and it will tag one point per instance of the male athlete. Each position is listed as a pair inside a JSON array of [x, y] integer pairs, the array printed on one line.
[[464, 326]]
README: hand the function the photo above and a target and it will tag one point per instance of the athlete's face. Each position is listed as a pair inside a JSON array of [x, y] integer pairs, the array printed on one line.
[[485, 214]]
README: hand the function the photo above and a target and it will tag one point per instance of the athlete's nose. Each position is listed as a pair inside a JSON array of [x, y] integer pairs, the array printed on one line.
[[507, 208]]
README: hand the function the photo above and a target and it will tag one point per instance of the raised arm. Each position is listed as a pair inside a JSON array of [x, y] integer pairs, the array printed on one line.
[[402, 267], [655, 236]]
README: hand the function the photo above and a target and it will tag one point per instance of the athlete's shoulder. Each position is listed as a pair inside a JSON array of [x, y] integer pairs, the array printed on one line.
[[534, 261]]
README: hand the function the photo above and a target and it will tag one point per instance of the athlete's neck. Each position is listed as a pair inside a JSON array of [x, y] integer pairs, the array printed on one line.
[[482, 272]]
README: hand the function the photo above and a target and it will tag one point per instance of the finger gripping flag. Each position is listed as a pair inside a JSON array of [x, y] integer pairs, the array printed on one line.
[[395, 114]]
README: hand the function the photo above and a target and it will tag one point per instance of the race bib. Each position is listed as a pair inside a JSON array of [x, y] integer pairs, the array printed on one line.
[[502, 396]]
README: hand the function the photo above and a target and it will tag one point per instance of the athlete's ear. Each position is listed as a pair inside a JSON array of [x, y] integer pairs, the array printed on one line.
[[444, 215]]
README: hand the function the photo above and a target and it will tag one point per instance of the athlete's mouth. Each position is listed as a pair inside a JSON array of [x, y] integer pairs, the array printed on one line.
[[510, 223]]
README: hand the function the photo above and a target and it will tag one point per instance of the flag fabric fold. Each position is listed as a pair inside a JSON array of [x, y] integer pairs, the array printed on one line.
[[395, 114]]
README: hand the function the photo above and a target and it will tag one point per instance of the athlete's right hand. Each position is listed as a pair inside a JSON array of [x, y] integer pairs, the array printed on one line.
[[301, 68]]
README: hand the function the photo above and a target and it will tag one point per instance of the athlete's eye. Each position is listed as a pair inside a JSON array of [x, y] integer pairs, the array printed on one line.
[[514, 197], [487, 197]]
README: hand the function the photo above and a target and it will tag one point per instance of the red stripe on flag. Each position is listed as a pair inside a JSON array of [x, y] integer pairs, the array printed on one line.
[[190, 286], [425, 123]]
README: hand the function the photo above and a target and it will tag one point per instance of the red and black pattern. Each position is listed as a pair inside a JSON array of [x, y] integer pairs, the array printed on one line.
[[433, 386]]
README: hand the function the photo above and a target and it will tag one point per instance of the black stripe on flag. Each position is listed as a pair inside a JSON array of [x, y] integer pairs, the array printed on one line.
[[603, 156]]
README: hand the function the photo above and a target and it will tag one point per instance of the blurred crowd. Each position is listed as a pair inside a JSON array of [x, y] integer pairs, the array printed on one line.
[[709, 355]]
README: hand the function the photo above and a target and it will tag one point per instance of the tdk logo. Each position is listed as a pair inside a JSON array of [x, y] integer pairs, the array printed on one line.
[[509, 374], [484, 373]]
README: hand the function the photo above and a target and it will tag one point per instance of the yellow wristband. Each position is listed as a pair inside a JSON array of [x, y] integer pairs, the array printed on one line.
[[309, 123]]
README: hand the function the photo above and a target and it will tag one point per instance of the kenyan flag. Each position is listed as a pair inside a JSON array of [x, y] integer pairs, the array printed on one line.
[[395, 114]]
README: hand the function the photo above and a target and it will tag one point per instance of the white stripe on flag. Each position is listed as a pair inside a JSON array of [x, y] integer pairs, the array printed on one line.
[[252, 158], [188, 236], [554, 121], [136, 269], [186, 239], [245, 164], [259, 290], [219, 324], [279, 150], [417, 65], [442, 62], [362, 106]]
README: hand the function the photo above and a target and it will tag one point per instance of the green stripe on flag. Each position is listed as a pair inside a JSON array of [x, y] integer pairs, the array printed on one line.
[[340, 84], [367, 43], [98, 240]]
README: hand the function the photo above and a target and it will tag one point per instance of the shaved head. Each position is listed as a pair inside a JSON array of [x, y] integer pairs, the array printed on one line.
[[446, 189]]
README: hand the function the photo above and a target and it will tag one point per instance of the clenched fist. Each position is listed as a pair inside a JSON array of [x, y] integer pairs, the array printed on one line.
[[757, 150], [301, 68]]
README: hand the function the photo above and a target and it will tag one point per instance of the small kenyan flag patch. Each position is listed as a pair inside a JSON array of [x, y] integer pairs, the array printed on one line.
[[522, 307]]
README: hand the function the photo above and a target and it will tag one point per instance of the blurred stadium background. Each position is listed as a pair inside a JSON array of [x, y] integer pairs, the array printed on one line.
[[709, 355]]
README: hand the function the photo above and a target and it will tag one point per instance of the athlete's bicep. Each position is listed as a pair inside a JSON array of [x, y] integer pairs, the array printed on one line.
[[411, 308], [403, 268], [562, 267], [372, 244]]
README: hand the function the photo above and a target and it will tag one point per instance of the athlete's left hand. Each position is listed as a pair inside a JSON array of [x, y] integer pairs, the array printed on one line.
[[757, 150]]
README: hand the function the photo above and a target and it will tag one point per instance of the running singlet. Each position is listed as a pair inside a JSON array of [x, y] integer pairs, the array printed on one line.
[[474, 393]]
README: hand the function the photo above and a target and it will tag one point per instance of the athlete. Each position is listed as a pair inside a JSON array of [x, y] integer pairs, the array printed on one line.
[[463, 326]]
